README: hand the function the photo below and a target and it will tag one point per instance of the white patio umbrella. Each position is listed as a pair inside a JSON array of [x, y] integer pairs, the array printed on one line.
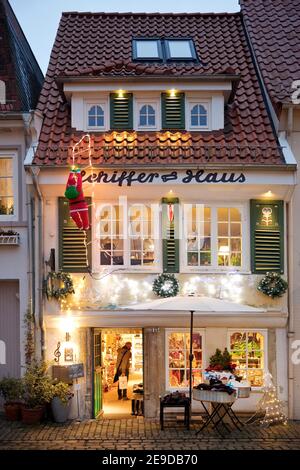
[[193, 304]]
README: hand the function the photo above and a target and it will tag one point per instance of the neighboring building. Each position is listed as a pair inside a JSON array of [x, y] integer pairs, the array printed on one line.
[[166, 117], [273, 28], [20, 84]]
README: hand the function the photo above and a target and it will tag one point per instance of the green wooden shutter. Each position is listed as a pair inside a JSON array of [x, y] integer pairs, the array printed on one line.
[[72, 251], [170, 236], [173, 114], [121, 111], [267, 236]]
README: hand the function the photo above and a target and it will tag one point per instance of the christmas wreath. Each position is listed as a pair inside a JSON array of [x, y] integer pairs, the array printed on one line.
[[272, 285], [58, 285], [166, 285]]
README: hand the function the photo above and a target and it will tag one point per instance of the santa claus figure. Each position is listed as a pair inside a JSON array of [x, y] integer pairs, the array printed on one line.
[[77, 204]]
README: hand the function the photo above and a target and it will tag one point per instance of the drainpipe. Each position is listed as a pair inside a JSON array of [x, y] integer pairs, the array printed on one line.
[[40, 260], [31, 257], [290, 333]]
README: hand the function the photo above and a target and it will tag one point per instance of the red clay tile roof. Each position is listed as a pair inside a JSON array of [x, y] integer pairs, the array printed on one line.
[[18, 67], [100, 45], [274, 29]]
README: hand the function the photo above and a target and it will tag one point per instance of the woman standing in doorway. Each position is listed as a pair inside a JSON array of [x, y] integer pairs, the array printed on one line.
[[122, 367]]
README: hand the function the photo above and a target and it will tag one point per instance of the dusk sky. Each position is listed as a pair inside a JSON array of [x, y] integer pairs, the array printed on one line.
[[39, 18]]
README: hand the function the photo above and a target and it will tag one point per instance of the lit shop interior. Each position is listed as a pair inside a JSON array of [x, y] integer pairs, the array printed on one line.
[[112, 340]]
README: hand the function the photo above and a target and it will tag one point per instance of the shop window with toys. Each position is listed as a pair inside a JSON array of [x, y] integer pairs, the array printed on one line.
[[248, 350], [178, 349], [112, 342]]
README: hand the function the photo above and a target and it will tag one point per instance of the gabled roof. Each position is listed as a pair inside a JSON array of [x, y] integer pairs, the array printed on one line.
[[99, 44], [18, 67], [274, 30]]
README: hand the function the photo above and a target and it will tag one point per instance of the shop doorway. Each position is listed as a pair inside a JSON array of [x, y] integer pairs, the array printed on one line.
[[111, 341]]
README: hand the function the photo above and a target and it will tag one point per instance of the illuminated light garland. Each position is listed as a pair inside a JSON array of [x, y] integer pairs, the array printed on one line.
[[271, 405]]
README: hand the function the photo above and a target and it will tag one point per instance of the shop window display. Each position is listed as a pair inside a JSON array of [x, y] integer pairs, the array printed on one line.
[[178, 344], [248, 353]]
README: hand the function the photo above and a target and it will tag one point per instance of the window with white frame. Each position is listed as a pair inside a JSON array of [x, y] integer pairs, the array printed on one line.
[[8, 185], [140, 235], [177, 358], [249, 352], [198, 115], [111, 236], [96, 115], [127, 236], [213, 236], [146, 115]]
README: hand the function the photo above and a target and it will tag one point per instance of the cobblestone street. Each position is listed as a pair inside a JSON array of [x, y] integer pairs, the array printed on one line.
[[140, 434]]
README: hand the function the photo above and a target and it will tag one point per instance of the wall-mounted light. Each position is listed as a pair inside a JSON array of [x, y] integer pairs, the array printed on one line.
[[172, 92], [120, 93], [67, 324]]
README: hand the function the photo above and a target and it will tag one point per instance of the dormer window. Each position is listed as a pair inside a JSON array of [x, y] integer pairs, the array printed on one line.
[[198, 115], [96, 116], [146, 114]]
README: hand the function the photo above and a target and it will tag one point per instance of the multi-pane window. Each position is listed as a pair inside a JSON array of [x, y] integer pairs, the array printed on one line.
[[212, 236], [198, 116], [7, 202], [248, 349], [140, 235], [147, 116], [111, 235], [198, 235], [95, 116], [229, 237], [126, 236], [178, 365]]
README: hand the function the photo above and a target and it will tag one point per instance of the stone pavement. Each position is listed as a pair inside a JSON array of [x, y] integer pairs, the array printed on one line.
[[138, 433]]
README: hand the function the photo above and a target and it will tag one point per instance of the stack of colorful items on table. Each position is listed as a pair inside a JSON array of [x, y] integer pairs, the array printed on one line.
[[220, 376], [175, 397]]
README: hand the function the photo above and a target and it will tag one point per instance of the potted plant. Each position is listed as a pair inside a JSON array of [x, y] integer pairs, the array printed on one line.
[[221, 362], [38, 391], [11, 390], [60, 403]]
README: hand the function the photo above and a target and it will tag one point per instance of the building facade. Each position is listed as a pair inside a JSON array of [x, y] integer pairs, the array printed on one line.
[[276, 52], [20, 84], [183, 174]]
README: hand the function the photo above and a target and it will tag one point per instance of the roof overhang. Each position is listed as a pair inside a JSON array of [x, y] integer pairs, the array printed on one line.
[[225, 83]]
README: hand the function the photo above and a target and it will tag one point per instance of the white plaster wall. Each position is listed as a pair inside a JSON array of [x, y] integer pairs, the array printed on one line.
[[294, 331], [14, 259]]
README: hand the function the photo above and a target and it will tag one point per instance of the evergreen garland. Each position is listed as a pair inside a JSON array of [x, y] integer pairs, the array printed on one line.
[[166, 285], [272, 285], [58, 285]]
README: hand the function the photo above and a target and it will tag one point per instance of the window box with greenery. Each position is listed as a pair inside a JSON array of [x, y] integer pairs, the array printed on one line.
[[9, 237], [11, 389]]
